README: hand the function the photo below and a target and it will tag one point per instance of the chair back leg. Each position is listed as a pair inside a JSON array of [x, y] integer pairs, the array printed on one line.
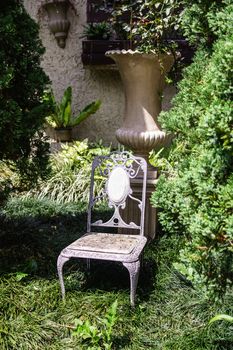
[[133, 269], [88, 262]]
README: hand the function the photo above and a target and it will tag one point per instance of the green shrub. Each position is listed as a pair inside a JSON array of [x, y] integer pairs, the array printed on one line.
[[195, 20], [196, 199], [22, 82], [71, 173]]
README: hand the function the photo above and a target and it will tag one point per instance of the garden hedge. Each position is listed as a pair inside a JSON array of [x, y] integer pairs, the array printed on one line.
[[22, 82], [196, 197]]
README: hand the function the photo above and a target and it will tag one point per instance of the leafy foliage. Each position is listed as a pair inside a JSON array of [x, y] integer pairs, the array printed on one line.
[[146, 24], [22, 82], [98, 336], [61, 116], [71, 173], [221, 317], [97, 31], [201, 20], [196, 199]]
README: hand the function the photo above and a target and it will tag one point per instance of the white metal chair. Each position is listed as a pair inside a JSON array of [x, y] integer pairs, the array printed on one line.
[[118, 170]]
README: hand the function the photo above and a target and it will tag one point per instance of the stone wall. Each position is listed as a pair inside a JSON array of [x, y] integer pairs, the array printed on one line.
[[64, 68]]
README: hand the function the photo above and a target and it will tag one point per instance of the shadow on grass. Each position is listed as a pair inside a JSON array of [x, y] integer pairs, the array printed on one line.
[[32, 244], [110, 277], [32, 234]]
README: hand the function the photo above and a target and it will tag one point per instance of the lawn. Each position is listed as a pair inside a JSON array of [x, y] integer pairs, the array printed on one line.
[[170, 314]]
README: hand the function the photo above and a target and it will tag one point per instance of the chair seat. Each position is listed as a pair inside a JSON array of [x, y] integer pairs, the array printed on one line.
[[106, 243]]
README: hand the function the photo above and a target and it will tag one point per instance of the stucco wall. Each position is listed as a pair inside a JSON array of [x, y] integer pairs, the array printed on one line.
[[64, 68]]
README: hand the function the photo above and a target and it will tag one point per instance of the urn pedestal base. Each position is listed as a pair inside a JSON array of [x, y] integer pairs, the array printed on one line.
[[133, 211]]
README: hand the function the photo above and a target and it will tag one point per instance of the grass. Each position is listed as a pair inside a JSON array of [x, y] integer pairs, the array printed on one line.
[[170, 314]]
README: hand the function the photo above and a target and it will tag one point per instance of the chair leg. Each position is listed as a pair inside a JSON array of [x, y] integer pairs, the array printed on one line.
[[133, 269], [60, 262], [88, 261]]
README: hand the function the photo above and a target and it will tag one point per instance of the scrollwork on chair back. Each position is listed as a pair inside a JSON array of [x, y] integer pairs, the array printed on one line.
[[118, 169]]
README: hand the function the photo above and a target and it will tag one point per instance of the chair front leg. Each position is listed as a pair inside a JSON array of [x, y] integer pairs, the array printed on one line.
[[133, 269], [60, 262]]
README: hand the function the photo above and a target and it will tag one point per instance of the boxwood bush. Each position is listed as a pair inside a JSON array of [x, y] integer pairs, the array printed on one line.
[[22, 82], [196, 198]]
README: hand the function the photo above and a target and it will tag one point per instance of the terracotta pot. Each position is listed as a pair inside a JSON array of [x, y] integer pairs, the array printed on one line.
[[63, 134]]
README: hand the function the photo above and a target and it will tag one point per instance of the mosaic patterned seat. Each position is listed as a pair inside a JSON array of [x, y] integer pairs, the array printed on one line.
[[117, 171]]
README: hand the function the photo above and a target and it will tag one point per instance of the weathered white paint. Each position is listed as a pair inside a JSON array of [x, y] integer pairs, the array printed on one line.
[[64, 68], [118, 186]]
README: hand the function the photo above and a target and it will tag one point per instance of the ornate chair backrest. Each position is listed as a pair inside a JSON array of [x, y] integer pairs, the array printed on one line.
[[118, 170]]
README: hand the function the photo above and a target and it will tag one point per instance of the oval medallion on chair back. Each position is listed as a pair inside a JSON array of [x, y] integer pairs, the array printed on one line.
[[118, 186]]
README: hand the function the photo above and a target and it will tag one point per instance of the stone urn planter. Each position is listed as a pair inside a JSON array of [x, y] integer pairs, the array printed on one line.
[[143, 77]]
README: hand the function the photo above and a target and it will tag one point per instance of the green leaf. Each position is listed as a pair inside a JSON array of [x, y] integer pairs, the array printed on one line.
[[67, 115], [20, 275], [66, 99], [62, 112], [221, 317], [86, 112], [168, 10]]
